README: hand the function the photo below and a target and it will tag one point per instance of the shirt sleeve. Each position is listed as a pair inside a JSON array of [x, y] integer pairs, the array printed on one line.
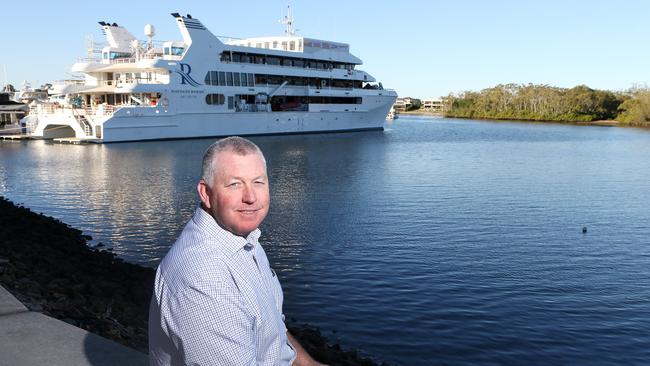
[[209, 325]]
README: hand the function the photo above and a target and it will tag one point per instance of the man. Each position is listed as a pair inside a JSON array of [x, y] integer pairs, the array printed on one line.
[[216, 299]]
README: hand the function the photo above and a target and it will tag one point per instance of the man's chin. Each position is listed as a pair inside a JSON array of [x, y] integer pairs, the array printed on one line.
[[245, 229]]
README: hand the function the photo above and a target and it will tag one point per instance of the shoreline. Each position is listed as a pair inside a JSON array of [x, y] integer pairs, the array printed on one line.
[[600, 123], [48, 266]]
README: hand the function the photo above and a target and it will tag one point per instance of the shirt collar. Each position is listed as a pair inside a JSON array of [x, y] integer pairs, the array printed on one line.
[[227, 241]]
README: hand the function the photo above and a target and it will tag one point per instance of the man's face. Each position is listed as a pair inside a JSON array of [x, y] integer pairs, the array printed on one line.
[[239, 197]]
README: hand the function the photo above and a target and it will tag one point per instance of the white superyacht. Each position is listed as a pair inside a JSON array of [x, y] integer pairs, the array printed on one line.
[[200, 86]]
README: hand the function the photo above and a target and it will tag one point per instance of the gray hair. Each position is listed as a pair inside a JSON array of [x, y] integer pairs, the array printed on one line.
[[236, 144]]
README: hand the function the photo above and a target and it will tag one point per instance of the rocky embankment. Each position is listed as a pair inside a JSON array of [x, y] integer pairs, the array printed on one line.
[[48, 266]]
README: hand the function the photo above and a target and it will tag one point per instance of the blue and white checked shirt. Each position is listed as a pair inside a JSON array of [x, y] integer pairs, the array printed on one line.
[[217, 301]]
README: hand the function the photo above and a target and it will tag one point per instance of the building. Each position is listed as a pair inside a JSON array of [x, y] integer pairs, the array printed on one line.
[[405, 104], [432, 105]]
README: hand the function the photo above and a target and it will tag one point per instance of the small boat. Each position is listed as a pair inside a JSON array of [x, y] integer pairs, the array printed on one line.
[[11, 112], [392, 114]]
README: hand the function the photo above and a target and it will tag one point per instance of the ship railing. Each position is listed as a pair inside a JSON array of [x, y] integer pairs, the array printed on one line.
[[89, 60], [259, 107], [121, 82], [69, 82], [100, 110], [128, 60], [45, 108]]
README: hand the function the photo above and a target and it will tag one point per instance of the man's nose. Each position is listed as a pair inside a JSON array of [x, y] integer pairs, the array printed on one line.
[[249, 195]]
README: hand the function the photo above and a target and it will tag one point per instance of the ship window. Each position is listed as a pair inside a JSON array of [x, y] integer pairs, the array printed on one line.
[[177, 51], [229, 78], [287, 62], [166, 50], [266, 44], [284, 45], [275, 44], [298, 63], [259, 59], [292, 45], [260, 79], [251, 79], [105, 55], [275, 79], [257, 45], [211, 78], [236, 57], [244, 79], [116, 55], [231, 102], [236, 79], [215, 99], [272, 61], [225, 57], [222, 78], [245, 59]]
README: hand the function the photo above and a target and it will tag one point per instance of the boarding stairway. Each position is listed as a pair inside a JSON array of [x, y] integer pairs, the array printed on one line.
[[83, 123]]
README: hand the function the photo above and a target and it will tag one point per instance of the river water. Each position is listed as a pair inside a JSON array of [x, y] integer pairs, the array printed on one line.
[[434, 242]]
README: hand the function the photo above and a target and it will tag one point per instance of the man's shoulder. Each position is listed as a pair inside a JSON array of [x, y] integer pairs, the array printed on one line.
[[194, 257]]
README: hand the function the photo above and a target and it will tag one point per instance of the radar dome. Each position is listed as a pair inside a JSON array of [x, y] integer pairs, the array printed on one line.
[[149, 30]]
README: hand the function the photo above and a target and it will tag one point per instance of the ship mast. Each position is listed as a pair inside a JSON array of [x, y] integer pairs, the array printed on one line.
[[288, 21]]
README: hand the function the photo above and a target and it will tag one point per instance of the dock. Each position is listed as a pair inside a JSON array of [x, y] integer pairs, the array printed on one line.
[[15, 137], [71, 140]]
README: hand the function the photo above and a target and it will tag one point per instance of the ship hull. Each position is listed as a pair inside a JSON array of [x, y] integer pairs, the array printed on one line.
[[196, 125]]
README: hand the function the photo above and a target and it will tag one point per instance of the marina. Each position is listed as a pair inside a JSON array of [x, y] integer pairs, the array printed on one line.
[[478, 198]]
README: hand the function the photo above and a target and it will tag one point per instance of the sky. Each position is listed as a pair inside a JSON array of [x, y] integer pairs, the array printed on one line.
[[422, 49]]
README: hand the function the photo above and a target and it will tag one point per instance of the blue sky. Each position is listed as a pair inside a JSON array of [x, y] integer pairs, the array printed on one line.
[[422, 49]]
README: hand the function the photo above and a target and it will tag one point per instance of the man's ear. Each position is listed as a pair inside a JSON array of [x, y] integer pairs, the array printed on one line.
[[204, 193]]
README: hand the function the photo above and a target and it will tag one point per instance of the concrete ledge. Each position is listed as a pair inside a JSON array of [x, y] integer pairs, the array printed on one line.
[[30, 338], [9, 304]]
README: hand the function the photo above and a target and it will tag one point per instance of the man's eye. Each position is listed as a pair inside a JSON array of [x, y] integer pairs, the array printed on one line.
[[234, 184]]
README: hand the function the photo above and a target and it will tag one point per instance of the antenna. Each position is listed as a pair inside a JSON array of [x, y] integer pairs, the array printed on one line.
[[288, 21], [90, 46]]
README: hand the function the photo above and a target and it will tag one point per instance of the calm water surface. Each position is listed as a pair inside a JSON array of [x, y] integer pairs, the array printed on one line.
[[434, 242]]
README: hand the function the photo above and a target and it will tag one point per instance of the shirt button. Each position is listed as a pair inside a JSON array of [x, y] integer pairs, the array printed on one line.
[[248, 247]]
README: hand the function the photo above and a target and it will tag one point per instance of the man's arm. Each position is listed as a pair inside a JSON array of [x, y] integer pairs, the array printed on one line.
[[209, 326], [302, 357]]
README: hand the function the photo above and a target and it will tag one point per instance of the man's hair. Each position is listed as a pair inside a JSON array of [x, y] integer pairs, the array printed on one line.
[[236, 144]]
